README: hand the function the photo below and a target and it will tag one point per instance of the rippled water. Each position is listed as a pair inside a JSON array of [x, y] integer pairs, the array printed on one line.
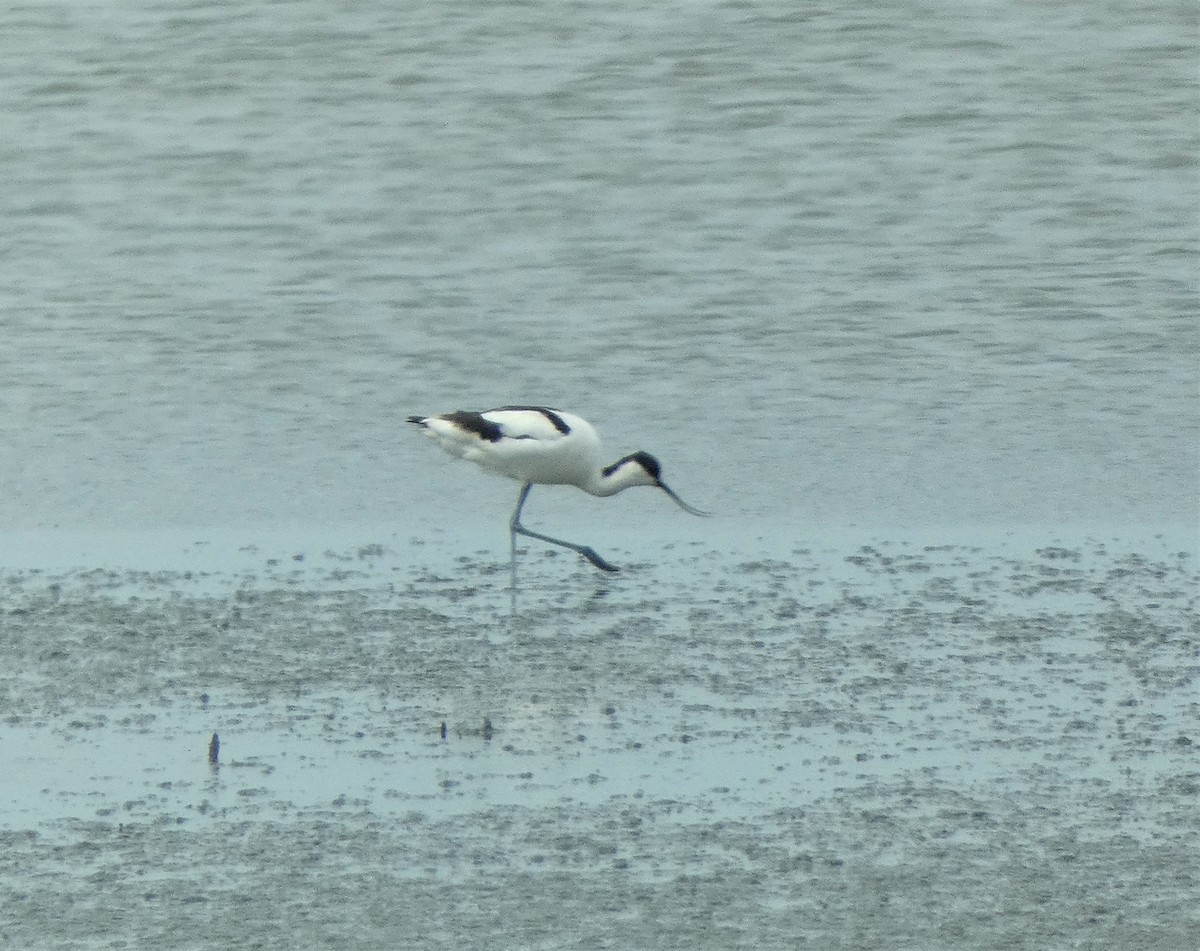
[[907, 294], [915, 262]]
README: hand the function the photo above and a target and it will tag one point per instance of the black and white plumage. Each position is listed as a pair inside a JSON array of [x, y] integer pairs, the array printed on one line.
[[540, 446]]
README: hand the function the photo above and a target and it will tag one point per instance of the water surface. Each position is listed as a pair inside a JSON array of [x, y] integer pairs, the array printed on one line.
[[906, 294]]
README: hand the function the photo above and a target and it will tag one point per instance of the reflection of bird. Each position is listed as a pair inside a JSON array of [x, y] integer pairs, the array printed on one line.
[[541, 446]]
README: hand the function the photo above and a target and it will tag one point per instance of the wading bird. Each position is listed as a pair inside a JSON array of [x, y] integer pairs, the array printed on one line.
[[540, 446]]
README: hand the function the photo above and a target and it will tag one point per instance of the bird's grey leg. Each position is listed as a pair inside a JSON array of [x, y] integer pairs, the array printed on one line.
[[515, 528], [514, 524]]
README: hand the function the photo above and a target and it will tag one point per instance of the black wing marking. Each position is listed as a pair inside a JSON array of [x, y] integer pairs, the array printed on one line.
[[475, 423], [555, 420]]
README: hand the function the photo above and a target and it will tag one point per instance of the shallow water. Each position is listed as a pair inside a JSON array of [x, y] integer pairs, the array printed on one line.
[[906, 295], [920, 263]]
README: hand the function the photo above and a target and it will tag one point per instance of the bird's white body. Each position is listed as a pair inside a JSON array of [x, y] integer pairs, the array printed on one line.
[[530, 448], [537, 445]]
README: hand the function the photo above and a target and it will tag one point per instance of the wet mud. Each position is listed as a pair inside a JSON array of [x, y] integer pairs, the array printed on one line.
[[891, 745]]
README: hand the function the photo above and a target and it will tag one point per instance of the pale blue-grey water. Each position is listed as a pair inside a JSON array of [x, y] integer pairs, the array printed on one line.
[[906, 293]]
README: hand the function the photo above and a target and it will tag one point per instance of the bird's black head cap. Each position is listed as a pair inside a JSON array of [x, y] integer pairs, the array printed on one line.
[[648, 463]]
